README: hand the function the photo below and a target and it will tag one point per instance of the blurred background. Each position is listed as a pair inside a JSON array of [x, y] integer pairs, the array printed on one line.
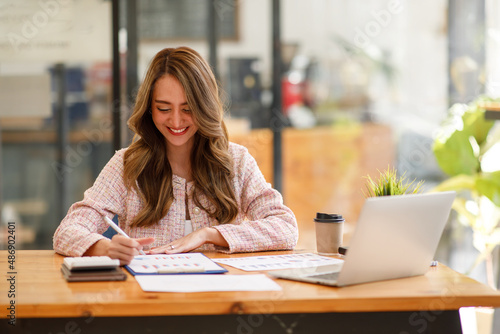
[[323, 93]]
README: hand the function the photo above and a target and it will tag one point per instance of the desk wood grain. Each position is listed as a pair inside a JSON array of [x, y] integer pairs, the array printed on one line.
[[41, 291]]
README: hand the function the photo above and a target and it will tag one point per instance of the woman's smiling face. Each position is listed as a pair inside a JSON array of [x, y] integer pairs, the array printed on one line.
[[171, 113]]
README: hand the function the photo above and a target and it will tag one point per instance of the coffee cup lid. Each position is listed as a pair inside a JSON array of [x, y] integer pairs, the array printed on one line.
[[328, 218]]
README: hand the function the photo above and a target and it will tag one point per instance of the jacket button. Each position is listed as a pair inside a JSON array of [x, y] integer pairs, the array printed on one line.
[[196, 210]]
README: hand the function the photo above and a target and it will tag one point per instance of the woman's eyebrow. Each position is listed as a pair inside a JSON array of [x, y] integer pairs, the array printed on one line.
[[162, 101], [166, 102]]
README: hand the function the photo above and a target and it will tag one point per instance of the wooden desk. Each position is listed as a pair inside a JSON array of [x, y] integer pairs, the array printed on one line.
[[46, 303]]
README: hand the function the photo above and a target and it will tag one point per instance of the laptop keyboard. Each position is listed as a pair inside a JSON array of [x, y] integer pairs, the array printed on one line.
[[328, 276]]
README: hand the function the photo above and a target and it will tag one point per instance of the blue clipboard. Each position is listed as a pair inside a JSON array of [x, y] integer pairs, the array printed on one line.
[[171, 264]]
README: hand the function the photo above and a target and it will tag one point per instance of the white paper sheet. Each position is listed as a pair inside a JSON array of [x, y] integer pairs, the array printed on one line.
[[202, 283], [273, 262]]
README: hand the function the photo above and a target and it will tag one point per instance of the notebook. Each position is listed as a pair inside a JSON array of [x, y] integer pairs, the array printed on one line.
[[395, 237]]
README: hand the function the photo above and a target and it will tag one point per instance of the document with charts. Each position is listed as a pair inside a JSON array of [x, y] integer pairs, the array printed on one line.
[[187, 263], [273, 262]]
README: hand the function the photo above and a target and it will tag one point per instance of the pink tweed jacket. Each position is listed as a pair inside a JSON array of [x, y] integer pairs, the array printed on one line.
[[263, 222]]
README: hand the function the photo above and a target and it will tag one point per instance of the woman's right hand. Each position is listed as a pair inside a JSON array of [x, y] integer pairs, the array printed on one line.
[[124, 249], [119, 247]]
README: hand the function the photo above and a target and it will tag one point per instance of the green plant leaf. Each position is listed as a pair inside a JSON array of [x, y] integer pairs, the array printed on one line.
[[465, 130], [476, 124], [389, 184], [488, 184], [457, 183], [493, 139], [455, 154]]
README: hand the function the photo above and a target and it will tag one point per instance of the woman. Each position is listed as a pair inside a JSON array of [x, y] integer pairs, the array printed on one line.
[[181, 185]]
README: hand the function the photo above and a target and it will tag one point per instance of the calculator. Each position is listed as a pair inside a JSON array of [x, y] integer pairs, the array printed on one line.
[[90, 263]]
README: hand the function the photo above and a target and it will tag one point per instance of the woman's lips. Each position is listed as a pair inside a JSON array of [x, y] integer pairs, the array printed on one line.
[[177, 132]]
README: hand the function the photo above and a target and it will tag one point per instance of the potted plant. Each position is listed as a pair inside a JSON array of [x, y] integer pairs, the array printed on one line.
[[467, 150], [390, 184]]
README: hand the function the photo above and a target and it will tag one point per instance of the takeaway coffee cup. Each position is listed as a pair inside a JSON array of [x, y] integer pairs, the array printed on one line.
[[329, 231]]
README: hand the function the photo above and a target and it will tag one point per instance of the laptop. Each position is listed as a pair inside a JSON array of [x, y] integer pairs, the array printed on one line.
[[395, 237]]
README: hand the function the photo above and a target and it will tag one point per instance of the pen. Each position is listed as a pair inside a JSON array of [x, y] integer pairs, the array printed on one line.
[[119, 230]]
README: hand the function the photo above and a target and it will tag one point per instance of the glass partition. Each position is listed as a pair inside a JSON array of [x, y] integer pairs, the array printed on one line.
[[55, 74]]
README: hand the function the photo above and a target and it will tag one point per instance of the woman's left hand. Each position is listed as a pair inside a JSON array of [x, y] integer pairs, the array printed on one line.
[[192, 241]]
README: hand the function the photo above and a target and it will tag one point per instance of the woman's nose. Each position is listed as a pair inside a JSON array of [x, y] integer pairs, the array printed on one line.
[[176, 118]]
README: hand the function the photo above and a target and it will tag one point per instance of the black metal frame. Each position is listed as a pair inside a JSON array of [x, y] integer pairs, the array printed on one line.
[[213, 36], [277, 105], [116, 112], [62, 129]]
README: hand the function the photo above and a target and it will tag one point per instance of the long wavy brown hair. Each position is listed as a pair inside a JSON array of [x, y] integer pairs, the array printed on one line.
[[146, 166]]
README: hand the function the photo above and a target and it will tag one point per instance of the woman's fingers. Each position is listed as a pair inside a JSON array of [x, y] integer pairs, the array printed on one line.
[[168, 249], [125, 249], [182, 245]]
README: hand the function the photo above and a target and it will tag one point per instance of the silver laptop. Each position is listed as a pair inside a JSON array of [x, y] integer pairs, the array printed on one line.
[[395, 237]]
